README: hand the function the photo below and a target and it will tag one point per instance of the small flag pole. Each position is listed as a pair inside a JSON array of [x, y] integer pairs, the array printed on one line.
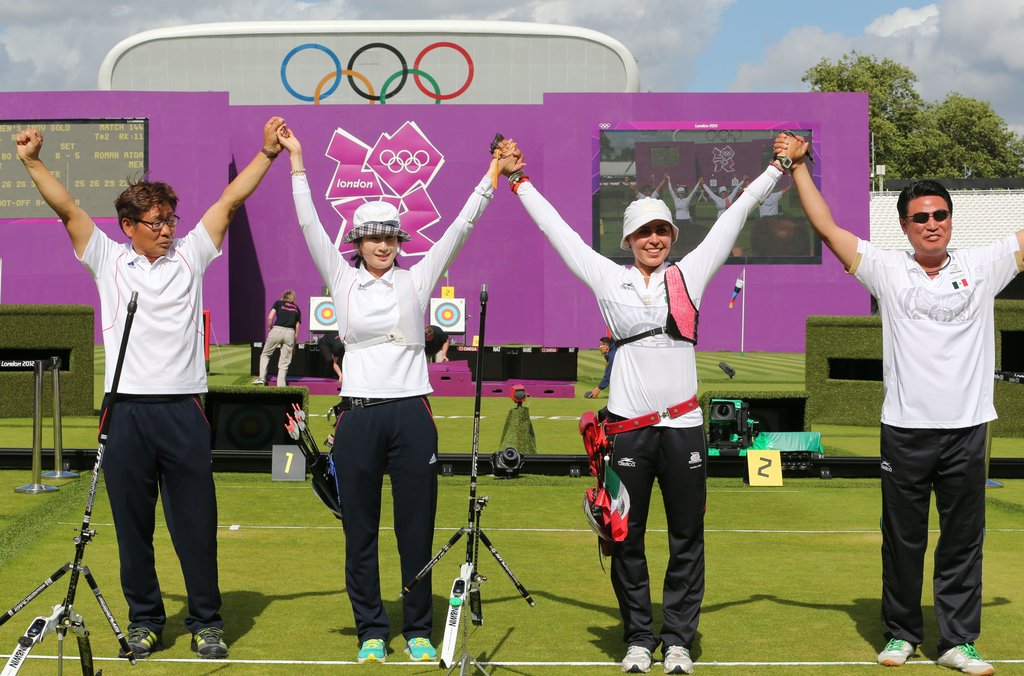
[[743, 314]]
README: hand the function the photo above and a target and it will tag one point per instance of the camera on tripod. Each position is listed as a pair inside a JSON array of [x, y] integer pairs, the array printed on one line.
[[518, 394], [730, 427]]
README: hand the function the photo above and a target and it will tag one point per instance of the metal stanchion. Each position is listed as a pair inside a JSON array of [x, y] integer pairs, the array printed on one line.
[[60, 471], [989, 483], [37, 438]]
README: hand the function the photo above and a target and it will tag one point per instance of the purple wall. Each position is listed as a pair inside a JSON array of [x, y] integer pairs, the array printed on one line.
[[533, 299]]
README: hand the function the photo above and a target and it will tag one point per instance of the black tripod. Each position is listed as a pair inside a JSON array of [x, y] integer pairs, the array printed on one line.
[[64, 618], [467, 584]]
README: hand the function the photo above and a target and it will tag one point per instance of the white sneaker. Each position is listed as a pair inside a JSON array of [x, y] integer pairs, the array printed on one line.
[[637, 660], [896, 652], [965, 658], [677, 660], [259, 381]]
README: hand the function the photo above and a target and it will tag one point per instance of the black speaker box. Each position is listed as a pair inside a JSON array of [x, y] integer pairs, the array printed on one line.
[[546, 363], [250, 421], [495, 364]]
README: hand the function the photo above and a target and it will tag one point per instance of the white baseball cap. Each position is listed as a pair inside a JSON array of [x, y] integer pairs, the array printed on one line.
[[641, 212]]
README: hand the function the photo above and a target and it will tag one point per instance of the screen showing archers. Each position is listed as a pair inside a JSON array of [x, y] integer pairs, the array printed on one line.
[[698, 173]]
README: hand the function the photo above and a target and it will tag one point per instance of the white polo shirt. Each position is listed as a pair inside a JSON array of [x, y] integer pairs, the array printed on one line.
[[165, 347], [938, 334], [656, 372]]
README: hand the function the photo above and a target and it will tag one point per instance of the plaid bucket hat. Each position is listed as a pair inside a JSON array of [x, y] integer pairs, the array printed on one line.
[[376, 218]]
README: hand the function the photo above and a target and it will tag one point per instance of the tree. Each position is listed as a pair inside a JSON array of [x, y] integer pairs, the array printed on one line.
[[914, 138], [984, 145]]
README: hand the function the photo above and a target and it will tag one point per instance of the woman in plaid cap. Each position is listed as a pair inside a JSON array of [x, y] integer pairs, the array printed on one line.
[[385, 420]]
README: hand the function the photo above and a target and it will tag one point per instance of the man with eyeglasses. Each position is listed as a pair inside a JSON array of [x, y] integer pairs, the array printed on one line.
[[938, 357], [159, 439]]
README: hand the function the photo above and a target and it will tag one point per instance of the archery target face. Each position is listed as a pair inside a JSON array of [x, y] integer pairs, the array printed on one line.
[[449, 314], [322, 316]]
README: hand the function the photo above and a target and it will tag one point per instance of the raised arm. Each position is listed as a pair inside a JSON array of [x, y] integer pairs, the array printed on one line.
[[218, 216], [842, 243], [78, 223]]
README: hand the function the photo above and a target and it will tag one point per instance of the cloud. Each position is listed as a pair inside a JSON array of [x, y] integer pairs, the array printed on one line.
[[905, 20], [60, 45], [951, 46]]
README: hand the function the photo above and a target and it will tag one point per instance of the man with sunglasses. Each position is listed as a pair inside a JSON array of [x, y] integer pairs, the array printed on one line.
[[159, 439], [938, 357]]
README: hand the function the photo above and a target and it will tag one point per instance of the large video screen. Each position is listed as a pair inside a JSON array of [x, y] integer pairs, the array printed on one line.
[[94, 159], [698, 169]]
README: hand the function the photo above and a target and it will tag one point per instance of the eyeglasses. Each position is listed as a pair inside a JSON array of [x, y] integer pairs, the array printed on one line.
[[157, 226], [922, 217]]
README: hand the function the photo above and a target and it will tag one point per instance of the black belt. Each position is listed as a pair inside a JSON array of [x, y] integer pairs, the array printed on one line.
[[646, 334], [348, 403]]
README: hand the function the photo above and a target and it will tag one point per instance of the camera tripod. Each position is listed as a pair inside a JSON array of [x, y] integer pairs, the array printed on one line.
[[467, 585], [63, 617]]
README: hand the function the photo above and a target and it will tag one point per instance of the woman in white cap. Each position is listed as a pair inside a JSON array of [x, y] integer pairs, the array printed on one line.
[[653, 419], [385, 419]]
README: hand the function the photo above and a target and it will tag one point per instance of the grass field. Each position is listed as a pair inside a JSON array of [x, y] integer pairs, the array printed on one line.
[[793, 573]]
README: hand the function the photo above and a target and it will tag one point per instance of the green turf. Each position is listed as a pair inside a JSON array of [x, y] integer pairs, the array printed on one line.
[[792, 576], [793, 573]]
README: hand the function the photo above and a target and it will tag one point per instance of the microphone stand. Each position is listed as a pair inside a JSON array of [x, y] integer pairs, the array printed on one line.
[[64, 617]]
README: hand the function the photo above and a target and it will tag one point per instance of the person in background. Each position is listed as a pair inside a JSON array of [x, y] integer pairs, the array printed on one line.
[[724, 199], [435, 343], [654, 423], [332, 350], [607, 348], [937, 308], [384, 421], [681, 200], [283, 323], [158, 440]]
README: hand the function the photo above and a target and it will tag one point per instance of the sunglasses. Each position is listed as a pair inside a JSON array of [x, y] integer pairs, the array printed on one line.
[[922, 216]]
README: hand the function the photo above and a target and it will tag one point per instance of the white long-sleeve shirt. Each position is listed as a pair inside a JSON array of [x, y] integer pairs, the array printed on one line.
[[656, 372], [682, 203], [370, 305]]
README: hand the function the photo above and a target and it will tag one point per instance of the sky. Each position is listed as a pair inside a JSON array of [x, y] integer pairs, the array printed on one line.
[[964, 46]]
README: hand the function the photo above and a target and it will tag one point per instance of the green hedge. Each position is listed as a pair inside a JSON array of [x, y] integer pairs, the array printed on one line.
[[842, 402], [46, 328], [859, 402], [260, 391]]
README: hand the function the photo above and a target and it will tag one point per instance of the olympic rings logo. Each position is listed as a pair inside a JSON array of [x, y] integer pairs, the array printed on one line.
[[403, 160], [332, 79], [724, 135]]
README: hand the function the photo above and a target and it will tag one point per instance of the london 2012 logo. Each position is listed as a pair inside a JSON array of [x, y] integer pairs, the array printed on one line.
[[398, 169], [315, 91]]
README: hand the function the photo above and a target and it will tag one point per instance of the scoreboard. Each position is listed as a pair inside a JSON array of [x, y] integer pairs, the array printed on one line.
[[94, 159]]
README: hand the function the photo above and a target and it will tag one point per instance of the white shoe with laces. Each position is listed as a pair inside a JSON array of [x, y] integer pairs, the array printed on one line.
[[677, 660], [896, 652], [965, 659], [637, 660]]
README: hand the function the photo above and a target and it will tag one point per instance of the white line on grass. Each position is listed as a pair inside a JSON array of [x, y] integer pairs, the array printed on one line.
[[497, 663], [750, 531]]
